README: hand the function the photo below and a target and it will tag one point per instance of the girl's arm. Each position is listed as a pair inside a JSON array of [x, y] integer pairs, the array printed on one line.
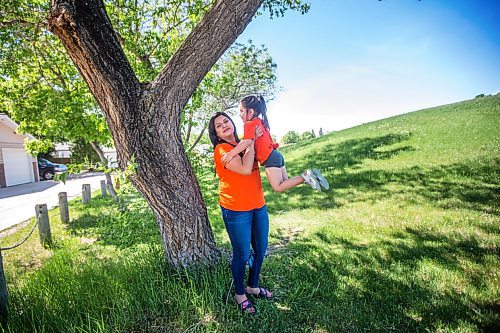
[[242, 145], [242, 165]]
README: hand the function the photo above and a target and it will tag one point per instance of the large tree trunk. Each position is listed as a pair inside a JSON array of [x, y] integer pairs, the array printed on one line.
[[144, 119]]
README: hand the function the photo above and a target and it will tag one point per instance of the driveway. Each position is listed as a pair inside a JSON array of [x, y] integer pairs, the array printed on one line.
[[17, 203]]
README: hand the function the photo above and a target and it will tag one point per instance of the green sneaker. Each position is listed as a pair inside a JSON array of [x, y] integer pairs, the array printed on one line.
[[322, 180]]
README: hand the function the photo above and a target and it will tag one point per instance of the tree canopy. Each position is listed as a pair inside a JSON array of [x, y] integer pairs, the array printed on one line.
[[49, 99], [142, 70]]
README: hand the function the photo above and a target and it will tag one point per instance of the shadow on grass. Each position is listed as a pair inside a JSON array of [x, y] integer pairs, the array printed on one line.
[[323, 282], [400, 284], [350, 153], [102, 220], [445, 248], [473, 186]]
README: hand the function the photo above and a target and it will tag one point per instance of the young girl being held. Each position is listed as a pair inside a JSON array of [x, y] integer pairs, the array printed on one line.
[[253, 113]]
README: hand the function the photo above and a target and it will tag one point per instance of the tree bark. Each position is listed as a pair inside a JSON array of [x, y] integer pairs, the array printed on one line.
[[144, 119], [107, 174]]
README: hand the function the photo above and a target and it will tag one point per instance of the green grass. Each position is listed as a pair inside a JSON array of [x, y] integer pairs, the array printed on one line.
[[406, 240]]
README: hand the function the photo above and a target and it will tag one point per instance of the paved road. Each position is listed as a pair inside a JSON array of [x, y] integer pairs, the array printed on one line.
[[17, 203]]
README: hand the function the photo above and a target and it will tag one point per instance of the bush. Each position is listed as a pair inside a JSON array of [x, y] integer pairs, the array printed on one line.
[[307, 136], [291, 137]]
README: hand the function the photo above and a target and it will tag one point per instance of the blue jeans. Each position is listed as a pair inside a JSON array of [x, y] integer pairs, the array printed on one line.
[[245, 228]]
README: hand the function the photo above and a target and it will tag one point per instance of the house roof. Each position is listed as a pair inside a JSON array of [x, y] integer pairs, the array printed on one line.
[[5, 119]]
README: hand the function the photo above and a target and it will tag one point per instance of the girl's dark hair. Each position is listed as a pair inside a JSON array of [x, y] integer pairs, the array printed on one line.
[[258, 104], [213, 134]]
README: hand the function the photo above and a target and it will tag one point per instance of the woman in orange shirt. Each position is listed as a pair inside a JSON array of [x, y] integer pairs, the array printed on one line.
[[244, 210]]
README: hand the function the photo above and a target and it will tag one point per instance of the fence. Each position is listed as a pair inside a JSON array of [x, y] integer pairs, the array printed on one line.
[[43, 223]]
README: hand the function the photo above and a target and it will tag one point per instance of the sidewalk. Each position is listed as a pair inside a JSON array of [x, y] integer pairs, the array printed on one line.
[[17, 203]]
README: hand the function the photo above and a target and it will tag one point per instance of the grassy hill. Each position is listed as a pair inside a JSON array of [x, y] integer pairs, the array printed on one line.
[[409, 233], [406, 240], [449, 155]]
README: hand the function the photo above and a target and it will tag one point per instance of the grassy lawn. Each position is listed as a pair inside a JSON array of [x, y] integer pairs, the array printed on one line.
[[406, 240]]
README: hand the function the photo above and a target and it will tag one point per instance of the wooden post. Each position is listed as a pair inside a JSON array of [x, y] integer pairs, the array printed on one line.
[[85, 193], [63, 207], [103, 188], [4, 296], [42, 217]]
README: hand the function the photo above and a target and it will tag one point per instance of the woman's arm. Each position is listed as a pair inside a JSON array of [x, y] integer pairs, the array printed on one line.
[[242, 145], [243, 165]]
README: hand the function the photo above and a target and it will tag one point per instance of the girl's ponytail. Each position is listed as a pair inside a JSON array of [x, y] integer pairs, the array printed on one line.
[[263, 111]]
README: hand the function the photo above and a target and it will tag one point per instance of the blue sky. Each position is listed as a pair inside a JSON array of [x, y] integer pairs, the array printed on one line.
[[348, 62]]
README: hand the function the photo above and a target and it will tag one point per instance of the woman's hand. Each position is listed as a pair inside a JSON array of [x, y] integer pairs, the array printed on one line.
[[258, 132], [226, 158]]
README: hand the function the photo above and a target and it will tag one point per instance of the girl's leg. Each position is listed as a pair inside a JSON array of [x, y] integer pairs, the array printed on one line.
[[279, 183], [284, 174], [239, 229], [260, 234]]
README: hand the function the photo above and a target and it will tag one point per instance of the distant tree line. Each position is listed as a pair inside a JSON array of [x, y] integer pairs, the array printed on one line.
[[484, 95], [294, 137]]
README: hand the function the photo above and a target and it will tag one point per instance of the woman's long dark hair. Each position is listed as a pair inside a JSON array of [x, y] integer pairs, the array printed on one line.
[[213, 134], [258, 104]]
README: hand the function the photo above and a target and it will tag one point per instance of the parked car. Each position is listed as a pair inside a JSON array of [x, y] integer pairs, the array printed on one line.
[[60, 168], [46, 169]]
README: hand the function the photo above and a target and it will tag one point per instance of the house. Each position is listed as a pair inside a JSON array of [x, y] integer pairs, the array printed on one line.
[[110, 154], [16, 165], [62, 154]]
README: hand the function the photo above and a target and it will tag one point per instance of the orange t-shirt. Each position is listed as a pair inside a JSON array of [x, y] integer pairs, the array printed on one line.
[[237, 192], [264, 144]]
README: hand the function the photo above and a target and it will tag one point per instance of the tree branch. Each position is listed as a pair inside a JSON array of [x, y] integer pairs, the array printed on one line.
[[24, 23], [198, 138], [56, 71], [218, 29], [170, 28], [105, 162], [190, 126]]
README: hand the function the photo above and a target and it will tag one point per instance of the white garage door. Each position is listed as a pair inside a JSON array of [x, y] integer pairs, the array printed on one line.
[[18, 166]]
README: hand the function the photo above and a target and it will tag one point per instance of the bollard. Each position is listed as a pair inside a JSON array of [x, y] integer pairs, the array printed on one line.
[[4, 296], [42, 217], [85, 193], [63, 207], [103, 188]]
